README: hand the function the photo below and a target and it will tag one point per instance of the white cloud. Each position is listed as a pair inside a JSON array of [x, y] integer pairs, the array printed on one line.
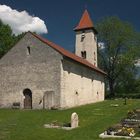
[[21, 21]]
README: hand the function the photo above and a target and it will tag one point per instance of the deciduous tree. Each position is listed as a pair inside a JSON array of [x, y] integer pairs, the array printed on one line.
[[120, 49], [7, 39]]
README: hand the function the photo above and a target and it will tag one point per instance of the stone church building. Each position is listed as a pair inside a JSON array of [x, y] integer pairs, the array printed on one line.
[[36, 73]]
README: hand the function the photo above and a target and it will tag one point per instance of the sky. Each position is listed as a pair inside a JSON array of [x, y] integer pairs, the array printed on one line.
[[56, 19]]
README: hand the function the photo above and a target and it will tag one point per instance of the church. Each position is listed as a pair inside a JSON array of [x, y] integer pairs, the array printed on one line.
[[38, 74]]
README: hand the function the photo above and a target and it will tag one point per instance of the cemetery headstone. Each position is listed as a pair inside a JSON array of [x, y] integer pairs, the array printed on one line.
[[74, 120]]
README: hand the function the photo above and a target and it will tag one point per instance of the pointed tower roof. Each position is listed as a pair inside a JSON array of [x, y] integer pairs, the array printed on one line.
[[85, 22]]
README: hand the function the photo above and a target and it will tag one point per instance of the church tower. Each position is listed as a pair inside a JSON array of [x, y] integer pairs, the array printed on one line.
[[86, 39]]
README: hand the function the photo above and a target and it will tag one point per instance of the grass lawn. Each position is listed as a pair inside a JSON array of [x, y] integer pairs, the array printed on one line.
[[94, 119]]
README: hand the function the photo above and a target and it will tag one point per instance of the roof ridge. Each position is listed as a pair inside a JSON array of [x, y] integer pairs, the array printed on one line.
[[68, 53]]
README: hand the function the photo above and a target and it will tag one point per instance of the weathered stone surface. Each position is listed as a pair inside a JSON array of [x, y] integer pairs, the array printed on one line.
[[39, 71], [89, 44], [55, 81], [80, 85], [74, 120]]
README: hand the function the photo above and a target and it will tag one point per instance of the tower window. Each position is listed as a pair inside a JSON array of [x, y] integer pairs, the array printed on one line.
[[83, 54], [28, 50], [82, 36]]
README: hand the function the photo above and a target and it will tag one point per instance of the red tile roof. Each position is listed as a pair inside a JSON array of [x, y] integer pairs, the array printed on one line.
[[85, 22], [68, 54]]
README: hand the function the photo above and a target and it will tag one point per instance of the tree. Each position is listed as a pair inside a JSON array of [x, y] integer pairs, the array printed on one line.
[[120, 49], [7, 39]]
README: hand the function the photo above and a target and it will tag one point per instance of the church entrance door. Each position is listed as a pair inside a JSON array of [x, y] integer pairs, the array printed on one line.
[[28, 98]]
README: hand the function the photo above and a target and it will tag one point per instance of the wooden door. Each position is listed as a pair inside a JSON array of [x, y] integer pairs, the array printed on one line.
[[27, 99]]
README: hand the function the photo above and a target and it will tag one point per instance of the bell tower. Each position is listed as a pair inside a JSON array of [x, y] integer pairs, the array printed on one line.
[[86, 39]]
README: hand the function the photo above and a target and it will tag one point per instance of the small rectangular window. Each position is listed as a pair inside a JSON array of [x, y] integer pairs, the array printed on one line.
[[94, 56], [28, 50], [83, 54], [82, 37]]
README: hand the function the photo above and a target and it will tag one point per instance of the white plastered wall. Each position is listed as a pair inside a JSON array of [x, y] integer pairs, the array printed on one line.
[[80, 85]]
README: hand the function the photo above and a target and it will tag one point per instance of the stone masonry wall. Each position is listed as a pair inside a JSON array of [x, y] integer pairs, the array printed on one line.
[[39, 71], [89, 44]]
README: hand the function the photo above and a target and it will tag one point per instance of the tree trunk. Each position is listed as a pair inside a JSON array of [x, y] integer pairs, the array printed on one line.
[[111, 88]]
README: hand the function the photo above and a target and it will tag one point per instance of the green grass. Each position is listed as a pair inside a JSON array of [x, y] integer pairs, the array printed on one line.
[[94, 119]]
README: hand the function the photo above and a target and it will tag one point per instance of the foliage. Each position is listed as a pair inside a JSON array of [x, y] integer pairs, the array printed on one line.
[[93, 120], [128, 95], [131, 115], [126, 84], [121, 44], [7, 39]]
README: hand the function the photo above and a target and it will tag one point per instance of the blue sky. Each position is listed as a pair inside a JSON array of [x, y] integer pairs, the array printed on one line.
[[61, 16]]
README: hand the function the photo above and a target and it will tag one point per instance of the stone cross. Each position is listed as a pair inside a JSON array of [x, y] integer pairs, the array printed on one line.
[[74, 120]]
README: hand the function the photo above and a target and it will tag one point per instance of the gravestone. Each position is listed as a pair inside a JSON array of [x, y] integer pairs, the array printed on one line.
[[74, 120]]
